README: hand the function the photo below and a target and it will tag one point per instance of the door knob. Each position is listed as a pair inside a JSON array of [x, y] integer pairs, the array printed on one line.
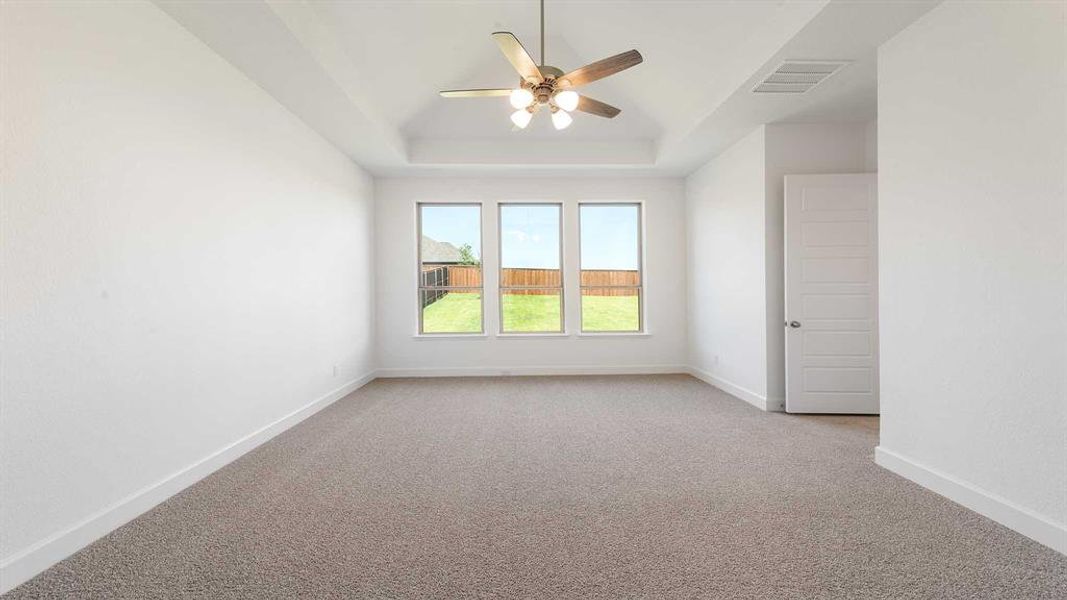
[[794, 324]]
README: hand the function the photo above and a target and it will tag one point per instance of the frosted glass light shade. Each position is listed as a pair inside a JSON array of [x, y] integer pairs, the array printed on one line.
[[567, 100], [561, 119], [521, 118], [521, 98]]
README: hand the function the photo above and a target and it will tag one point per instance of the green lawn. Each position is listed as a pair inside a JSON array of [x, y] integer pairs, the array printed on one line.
[[461, 313], [610, 313], [454, 313], [531, 313]]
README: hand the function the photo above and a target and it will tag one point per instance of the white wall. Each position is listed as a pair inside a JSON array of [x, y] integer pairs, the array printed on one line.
[[735, 227], [871, 148], [402, 353], [184, 263], [725, 228], [972, 257]]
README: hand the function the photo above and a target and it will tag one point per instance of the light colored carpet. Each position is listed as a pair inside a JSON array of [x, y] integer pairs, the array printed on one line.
[[591, 487]]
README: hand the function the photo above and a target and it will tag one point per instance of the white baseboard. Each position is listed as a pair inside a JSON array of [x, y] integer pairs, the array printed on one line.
[[27, 563], [529, 371], [1017, 518], [757, 400]]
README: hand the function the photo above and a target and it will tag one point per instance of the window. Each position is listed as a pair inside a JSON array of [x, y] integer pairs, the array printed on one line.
[[450, 268], [610, 263], [531, 282]]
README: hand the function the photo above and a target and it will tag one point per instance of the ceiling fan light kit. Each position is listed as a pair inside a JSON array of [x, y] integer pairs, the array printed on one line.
[[548, 86], [561, 119], [521, 98], [521, 118], [567, 100]]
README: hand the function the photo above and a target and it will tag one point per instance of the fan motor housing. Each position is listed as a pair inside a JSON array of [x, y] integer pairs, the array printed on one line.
[[550, 72], [543, 91]]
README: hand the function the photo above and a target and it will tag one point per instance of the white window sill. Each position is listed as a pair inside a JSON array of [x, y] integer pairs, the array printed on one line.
[[450, 336], [526, 336], [532, 335], [612, 334]]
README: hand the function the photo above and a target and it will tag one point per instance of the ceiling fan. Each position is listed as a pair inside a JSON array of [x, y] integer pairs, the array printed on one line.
[[547, 86]]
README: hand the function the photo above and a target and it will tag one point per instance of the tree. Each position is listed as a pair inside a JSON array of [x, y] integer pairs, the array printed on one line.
[[466, 256]]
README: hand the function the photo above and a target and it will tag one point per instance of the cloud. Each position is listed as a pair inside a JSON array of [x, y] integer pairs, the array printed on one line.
[[522, 236]]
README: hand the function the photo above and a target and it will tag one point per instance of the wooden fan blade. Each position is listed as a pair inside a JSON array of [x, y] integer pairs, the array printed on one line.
[[518, 56], [596, 107], [474, 93], [601, 69]]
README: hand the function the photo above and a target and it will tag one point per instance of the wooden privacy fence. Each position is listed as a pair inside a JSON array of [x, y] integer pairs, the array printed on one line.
[[610, 282], [451, 276], [530, 278], [598, 282]]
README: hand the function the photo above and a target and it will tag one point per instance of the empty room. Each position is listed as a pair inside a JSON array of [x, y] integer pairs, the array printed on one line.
[[548, 299]]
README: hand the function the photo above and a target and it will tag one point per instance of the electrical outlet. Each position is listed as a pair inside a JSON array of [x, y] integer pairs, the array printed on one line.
[[335, 370]]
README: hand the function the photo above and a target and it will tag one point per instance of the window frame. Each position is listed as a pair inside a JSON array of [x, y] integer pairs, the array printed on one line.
[[500, 272], [419, 287], [640, 287]]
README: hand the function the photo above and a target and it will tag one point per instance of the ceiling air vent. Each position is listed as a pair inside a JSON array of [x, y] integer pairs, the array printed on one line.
[[798, 76]]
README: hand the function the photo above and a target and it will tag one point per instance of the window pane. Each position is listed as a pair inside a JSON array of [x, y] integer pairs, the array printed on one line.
[[451, 237], [531, 310], [451, 311], [610, 267], [530, 257], [611, 309], [529, 236], [610, 240]]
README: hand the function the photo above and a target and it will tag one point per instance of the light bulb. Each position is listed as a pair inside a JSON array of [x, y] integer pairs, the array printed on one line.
[[561, 119], [521, 118], [567, 100], [521, 98]]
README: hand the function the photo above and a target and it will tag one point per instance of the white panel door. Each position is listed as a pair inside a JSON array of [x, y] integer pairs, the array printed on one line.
[[831, 294]]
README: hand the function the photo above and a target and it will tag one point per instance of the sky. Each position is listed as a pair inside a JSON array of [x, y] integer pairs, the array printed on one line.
[[609, 236], [456, 225], [530, 234], [529, 237]]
